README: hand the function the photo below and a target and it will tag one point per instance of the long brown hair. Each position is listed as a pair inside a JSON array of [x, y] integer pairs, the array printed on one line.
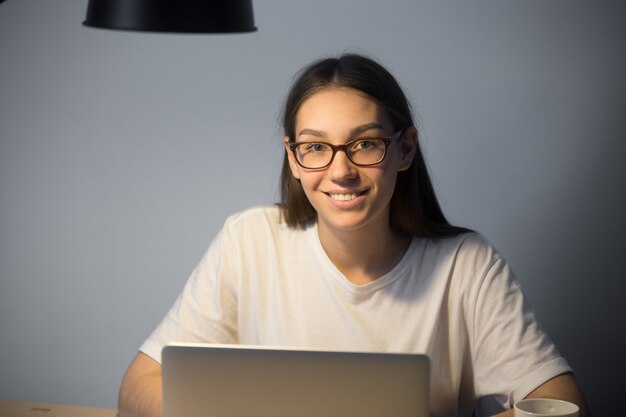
[[414, 208]]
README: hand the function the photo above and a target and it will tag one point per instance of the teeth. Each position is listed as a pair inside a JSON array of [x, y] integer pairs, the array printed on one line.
[[343, 197]]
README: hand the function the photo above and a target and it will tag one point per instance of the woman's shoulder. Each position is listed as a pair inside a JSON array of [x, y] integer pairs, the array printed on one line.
[[474, 241], [469, 248], [259, 232], [257, 220], [463, 261], [255, 214], [467, 240]]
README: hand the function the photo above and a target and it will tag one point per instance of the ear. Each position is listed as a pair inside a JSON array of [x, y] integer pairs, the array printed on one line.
[[293, 165], [408, 147]]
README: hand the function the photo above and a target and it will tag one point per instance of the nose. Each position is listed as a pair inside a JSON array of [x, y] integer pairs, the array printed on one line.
[[341, 168]]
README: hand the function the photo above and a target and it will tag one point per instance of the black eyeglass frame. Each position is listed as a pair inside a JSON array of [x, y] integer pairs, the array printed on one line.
[[335, 148]]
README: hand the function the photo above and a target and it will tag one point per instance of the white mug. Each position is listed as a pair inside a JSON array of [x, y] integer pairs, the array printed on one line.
[[538, 407]]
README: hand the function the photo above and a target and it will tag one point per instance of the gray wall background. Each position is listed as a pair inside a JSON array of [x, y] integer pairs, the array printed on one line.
[[122, 153]]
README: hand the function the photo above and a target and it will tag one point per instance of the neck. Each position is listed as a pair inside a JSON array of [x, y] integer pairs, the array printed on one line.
[[366, 254]]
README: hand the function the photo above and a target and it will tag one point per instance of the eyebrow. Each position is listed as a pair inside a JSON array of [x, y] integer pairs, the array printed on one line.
[[353, 132]]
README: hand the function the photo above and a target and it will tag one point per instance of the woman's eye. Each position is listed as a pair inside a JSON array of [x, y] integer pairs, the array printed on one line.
[[365, 144], [315, 147]]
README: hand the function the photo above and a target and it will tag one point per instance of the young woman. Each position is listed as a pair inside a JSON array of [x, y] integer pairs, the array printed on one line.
[[359, 256]]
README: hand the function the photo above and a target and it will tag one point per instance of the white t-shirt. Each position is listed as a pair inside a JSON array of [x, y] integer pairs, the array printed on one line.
[[454, 299]]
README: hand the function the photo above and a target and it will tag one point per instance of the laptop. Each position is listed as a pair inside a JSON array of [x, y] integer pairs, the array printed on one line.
[[201, 380]]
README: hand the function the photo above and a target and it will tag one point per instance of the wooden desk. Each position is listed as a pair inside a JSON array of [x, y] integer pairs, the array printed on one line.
[[30, 409]]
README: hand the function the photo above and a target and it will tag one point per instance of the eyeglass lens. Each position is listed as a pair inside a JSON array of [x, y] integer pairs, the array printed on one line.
[[361, 152]]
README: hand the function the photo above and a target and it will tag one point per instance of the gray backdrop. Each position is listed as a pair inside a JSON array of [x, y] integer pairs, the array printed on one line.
[[122, 153]]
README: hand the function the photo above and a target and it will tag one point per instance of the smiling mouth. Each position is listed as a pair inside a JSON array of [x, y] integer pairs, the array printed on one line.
[[345, 196]]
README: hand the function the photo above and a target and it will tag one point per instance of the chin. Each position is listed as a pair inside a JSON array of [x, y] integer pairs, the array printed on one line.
[[347, 222]]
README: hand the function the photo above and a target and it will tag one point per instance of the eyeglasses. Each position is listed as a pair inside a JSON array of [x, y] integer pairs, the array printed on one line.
[[361, 152]]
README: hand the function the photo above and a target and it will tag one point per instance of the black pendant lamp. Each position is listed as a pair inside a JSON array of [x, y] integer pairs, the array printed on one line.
[[180, 16]]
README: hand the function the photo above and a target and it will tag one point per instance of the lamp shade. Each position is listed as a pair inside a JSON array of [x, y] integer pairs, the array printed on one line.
[[182, 16]]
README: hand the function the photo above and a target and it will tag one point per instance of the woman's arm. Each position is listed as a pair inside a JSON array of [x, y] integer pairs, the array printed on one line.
[[141, 391], [562, 387]]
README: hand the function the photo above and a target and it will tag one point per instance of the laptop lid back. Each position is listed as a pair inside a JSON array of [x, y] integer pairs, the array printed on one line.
[[253, 381]]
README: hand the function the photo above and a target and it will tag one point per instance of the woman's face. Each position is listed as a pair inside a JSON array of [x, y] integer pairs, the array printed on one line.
[[346, 196]]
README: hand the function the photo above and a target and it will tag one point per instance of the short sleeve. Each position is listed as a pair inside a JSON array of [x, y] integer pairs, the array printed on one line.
[[512, 354], [205, 311]]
